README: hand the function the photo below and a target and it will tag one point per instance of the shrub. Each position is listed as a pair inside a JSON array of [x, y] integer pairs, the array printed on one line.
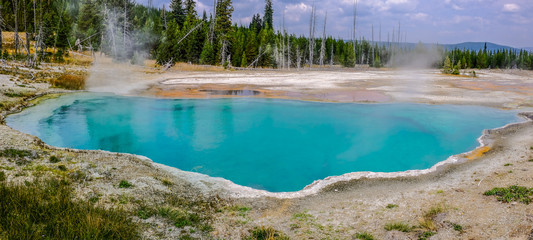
[[2, 176], [46, 210], [265, 233], [364, 236], [15, 153], [426, 235], [457, 227], [62, 168], [391, 206], [399, 226], [69, 81], [124, 184], [427, 221], [54, 159], [512, 193]]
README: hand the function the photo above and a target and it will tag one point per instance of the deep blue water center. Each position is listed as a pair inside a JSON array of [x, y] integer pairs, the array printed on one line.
[[277, 145]]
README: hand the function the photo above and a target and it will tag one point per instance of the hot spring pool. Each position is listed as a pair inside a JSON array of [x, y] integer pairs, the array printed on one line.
[[276, 145]]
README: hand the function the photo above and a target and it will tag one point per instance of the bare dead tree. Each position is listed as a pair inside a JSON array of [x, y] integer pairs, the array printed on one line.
[[373, 43], [164, 17], [213, 21], [27, 45], [1, 27], [312, 23], [331, 55], [354, 33], [15, 12], [289, 52], [298, 57], [110, 19], [223, 50], [323, 45], [258, 56], [283, 43], [35, 32], [190, 31]]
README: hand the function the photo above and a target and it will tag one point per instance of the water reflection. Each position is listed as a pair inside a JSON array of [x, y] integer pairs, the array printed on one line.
[[232, 92]]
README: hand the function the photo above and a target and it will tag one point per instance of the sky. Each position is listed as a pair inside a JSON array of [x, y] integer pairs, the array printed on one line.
[[506, 22]]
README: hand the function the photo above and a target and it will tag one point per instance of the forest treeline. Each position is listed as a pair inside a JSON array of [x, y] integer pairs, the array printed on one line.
[[128, 31]]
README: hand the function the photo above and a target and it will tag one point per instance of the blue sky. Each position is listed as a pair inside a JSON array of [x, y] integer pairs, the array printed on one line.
[[507, 22]]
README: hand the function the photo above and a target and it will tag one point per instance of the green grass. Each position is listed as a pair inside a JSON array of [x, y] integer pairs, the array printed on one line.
[[2, 176], [364, 236], [46, 210], [427, 221], [530, 160], [179, 218], [508, 164], [54, 159], [391, 206], [426, 235], [512, 193], [15, 153], [124, 184], [302, 216], [21, 157], [399, 226], [265, 233], [457, 227], [12, 93]]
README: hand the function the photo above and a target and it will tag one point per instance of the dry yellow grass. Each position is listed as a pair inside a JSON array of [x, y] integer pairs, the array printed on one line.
[[193, 67], [69, 81]]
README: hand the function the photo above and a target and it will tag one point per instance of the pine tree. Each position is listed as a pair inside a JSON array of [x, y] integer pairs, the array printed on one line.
[[177, 12], [447, 67], [190, 10], [208, 54], [243, 60], [224, 12], [223, 29], [269, 12], [89, 24]]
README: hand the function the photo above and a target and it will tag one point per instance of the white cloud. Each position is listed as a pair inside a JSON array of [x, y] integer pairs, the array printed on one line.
[[418, 16], [293, 12], [511, 7], [457, 8]]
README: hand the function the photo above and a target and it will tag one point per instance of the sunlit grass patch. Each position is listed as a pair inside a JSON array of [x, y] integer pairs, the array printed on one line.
[[511, 194], [46, 210], [398, 226], [69, 81], [266, 233]]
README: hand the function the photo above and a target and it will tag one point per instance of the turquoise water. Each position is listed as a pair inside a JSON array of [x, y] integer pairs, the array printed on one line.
[[277, 145]]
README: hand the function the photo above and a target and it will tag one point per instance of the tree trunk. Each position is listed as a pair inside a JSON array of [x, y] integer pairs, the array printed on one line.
[[15, 7], [26, 31], [323, 45], [1, 26]]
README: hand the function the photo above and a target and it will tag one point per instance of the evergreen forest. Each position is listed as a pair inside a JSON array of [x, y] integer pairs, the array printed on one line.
[[47, 31]]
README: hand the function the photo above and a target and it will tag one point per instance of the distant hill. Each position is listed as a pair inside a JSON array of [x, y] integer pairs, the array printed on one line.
[[477, 46], [530, 49], [465, 45]]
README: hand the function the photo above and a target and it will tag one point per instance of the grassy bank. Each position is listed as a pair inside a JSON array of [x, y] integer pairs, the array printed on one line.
[[47, 209]]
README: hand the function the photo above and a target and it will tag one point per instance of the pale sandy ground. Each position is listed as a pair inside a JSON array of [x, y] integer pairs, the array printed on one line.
[[340, 210]]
